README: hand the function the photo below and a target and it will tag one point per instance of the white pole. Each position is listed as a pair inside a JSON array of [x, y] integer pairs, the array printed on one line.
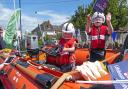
[[14, 7], [103, 82], [18, 39]]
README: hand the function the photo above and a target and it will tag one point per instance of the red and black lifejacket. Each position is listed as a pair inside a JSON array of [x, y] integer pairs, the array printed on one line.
[[68, 43], [68, 57], [98, 36], [64, 58]]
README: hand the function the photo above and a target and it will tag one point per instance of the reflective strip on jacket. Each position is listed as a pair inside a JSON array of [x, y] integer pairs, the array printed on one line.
[[98, 37]]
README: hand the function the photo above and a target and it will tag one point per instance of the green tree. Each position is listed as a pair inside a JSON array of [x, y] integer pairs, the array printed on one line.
[[47, 37], [58, 36], [79, 18], [118, 9]]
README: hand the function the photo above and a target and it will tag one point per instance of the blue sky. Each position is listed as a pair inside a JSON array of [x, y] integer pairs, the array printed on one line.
[[57, 11]]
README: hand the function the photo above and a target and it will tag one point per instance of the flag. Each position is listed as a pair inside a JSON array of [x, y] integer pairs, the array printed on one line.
[[11, 28], [100, 5]]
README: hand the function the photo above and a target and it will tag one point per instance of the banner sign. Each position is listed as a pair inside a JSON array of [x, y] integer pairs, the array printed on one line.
[[100, 5], [119, 71]]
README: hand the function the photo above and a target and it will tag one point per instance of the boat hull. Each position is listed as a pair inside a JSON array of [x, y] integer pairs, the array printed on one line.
[[27, 74]]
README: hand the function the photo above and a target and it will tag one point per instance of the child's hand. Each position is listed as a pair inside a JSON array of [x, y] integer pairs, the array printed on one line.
[[108, 17], [88, 18]]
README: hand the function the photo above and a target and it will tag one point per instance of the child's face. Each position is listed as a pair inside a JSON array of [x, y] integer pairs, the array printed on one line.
[[97, 24], [67, 35], [98, 21]]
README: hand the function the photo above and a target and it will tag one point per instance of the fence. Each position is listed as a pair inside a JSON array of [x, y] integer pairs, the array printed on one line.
[[110, 43]]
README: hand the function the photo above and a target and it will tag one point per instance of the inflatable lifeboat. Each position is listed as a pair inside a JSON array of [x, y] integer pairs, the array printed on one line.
[[19, 72], [25, 72]]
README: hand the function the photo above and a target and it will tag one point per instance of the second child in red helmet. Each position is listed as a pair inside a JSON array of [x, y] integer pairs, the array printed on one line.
[[98, 33]]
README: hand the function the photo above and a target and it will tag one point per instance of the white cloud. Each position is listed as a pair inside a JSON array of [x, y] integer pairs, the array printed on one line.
[[5, 15], [55, 18], [28, 23]]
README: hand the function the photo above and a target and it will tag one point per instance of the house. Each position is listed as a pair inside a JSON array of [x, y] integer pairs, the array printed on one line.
[[46, 28]]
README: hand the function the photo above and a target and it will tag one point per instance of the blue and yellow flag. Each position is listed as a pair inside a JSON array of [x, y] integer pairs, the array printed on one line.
[[11, 28]]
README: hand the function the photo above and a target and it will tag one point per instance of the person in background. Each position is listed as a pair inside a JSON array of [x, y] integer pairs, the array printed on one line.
[[2, 42], [67, 42], [98, 33]]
